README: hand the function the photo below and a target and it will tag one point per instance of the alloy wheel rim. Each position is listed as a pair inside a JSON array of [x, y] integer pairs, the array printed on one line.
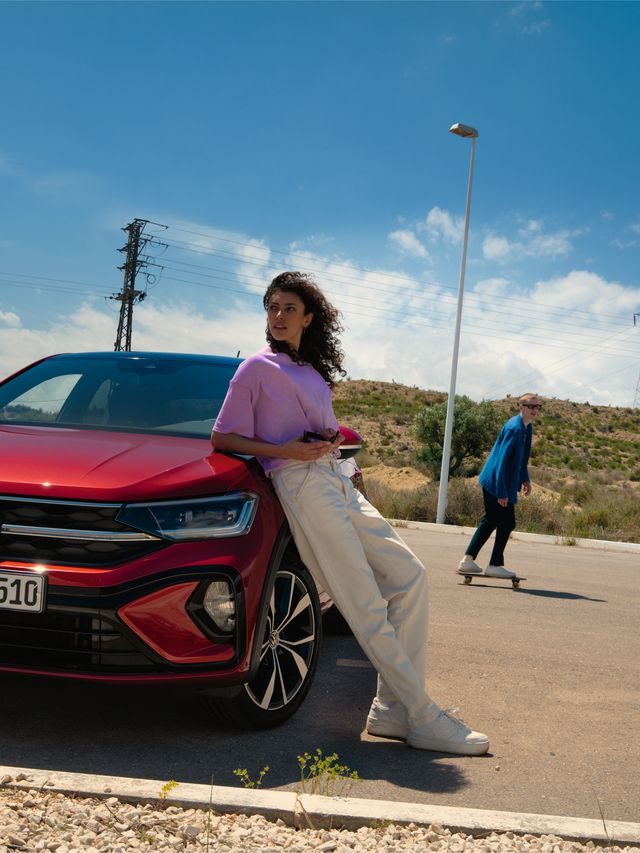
[[288, 644]]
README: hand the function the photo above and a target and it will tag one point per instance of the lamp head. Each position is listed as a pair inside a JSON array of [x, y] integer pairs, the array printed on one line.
[[463, 130]]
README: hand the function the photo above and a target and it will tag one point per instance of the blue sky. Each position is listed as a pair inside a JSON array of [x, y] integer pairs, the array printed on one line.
[[314, 135]]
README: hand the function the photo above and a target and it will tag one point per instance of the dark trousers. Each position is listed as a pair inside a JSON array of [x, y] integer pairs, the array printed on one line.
[[502, 519]]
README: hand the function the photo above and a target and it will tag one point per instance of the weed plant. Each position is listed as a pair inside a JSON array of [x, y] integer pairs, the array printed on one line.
[[243, 774], [322, 774]]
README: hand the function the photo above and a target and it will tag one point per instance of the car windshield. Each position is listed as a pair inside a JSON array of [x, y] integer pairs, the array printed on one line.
[[132, 394]]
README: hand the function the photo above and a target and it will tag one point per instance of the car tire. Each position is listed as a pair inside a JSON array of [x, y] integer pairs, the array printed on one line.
[[288, 657]]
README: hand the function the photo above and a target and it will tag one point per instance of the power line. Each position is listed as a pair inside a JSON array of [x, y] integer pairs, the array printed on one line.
[[395, 277], [415, 321], [564, 363], [58, 280], [44, 288], [218, 274]]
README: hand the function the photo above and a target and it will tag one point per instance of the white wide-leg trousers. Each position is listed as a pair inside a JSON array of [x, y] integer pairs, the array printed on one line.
[[377, 582]]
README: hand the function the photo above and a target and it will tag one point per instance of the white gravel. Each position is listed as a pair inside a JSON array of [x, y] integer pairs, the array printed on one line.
[[38, 820]]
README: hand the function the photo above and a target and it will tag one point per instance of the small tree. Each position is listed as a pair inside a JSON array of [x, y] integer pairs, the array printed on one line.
[[475, 426]]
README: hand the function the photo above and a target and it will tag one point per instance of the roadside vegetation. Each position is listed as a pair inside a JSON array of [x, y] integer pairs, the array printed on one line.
[[585, 461]]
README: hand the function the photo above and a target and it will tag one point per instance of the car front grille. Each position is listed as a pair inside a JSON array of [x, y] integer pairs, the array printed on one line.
[[69, 641], [68, 533]]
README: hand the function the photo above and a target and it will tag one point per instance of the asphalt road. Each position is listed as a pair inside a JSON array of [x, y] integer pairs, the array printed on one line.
[[549, 671]]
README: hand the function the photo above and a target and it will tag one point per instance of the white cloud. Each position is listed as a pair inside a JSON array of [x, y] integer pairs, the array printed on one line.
[[492, 287], [241, 262], [441, 225], [555, 340], [167, 327], [567, 337], [525, 6], [496, 248], [87, 329], [234, 326], [312, 242], [586, 291], [10, 319], [396, 327], [624, 244], [532, 242], [408, 243], [550, 245]]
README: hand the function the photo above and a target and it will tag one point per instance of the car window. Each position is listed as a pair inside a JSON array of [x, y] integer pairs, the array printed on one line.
[[42, 402], [141, 393]]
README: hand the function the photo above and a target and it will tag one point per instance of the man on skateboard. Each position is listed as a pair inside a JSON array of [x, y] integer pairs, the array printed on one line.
[[503, 475]]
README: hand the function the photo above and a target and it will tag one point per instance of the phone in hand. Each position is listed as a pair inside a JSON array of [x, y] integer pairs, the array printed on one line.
[[308, 436]]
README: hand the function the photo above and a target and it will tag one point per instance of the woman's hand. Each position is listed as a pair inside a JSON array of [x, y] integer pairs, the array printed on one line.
[[302, 451], [335, 439], [306, 451]]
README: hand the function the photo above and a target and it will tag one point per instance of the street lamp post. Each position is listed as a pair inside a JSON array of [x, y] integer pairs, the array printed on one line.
[[469, 133]]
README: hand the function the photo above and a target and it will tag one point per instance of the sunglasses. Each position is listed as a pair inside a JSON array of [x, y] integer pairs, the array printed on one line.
[[308, 436], [532, 405]]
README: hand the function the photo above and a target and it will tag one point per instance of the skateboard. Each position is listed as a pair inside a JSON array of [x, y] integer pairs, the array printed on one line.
[[515, 582]]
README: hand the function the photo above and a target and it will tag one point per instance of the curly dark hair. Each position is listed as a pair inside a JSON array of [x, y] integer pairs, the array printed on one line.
[[319, 346]]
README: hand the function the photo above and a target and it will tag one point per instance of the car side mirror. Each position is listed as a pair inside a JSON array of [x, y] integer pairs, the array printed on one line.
[[352, 443]]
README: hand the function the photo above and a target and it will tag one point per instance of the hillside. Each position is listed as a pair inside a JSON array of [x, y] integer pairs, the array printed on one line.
[[585, 463], [576, 437]]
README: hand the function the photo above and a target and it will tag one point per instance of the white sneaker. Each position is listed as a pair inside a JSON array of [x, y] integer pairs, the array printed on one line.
[[468, 566], [448, 734], [387, 720], [498, 572]]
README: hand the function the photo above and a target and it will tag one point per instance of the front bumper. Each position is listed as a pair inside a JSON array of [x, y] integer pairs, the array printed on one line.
[[149, 629]]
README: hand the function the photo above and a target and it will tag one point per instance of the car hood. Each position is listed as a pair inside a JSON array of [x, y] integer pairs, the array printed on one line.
[[110, 466]]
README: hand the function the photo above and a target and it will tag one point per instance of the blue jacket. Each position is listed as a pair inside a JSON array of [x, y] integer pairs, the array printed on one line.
[[505, 470]]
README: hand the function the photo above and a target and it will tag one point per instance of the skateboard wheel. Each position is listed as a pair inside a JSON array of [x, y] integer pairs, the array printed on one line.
[[515, 584], [467, 581]]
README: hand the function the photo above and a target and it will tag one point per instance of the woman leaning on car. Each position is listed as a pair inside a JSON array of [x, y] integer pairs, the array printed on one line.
[[276, 399]]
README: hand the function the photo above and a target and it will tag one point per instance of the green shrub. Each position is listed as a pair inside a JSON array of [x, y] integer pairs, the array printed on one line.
[[475, 426]]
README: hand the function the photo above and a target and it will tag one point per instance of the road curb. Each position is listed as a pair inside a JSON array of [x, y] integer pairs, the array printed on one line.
[[521, 536], [317, 812], [273, 805]]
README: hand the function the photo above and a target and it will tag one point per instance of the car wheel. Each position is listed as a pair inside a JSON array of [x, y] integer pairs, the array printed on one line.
[[288, 656]]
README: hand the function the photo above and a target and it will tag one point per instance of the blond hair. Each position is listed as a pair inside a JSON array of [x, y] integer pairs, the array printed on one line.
[[526, 398]]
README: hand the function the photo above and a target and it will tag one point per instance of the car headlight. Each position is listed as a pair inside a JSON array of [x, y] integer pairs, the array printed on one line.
[[193, 518]]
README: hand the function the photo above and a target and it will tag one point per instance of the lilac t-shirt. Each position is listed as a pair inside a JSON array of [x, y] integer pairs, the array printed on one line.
[[272, 398]]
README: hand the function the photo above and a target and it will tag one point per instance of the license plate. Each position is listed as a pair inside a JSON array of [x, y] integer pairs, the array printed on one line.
[[21, 591]]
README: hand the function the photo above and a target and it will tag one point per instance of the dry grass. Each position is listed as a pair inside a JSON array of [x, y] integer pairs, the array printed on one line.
[[585, 459], [590, 511]]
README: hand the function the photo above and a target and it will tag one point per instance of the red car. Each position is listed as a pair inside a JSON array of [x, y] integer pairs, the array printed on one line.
[[130, 552]]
